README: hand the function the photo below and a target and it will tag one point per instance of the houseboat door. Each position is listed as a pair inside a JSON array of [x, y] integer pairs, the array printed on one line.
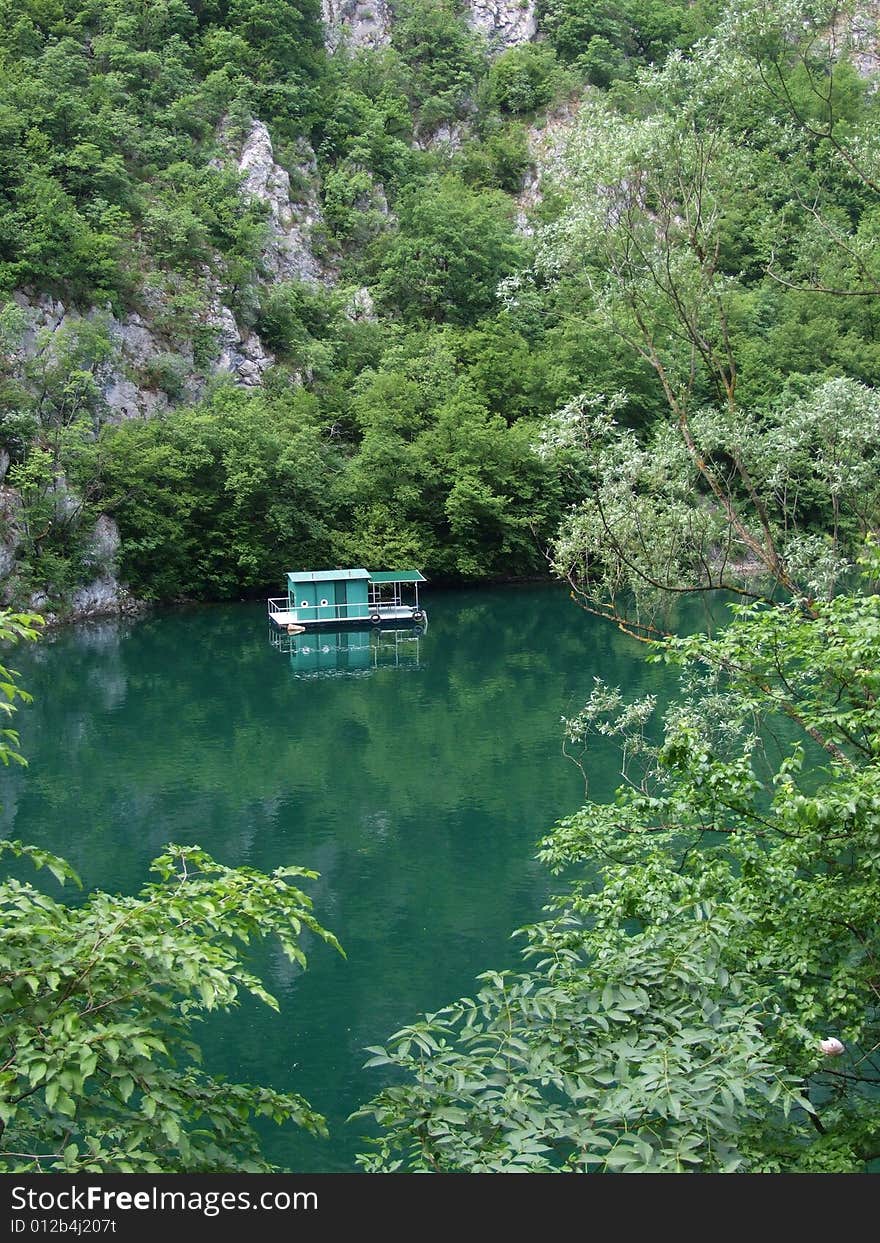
[[341, 586]]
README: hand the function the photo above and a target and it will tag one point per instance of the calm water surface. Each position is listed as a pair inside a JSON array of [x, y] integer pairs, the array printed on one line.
[[416, 777]]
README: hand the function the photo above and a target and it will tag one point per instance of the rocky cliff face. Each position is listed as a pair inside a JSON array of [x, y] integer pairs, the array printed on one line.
[[505, 23], [547, 144], [148, 367], [150, 364], [356, 23], [130, 381], [125, 386], [295, 218], [368, 23]]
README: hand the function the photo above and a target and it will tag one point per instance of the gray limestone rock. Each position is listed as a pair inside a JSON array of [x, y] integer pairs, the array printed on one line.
[[547, 142], [505, 23], [143, 361], [127, 400], [360, 306], [356, 23], [124, 386], [447, 138], [104, 543], [98, 598], [292, 220], [241, 353]]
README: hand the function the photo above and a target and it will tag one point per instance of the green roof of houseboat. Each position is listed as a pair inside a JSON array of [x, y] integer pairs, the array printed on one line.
[[398, 576], [324, 576]]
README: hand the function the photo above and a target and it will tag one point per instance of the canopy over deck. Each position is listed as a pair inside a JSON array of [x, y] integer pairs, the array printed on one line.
[[397, 576]]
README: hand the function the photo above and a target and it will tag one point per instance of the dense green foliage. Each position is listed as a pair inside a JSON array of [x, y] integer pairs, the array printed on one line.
[[109, 115], [704, 998], [453, 248], [211, 501], [118, 191], [707, 218], [610, 41], [672, 383], [720, 226], [98, 1002]]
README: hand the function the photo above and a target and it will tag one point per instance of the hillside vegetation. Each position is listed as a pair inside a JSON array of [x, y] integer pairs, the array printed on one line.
[[605, 298], [381, 406]]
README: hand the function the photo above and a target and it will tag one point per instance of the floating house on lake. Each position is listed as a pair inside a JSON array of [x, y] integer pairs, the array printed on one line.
[[355, 597]]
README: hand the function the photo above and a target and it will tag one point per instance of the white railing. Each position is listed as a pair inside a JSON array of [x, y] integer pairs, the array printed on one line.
[[387, 608], [388, 598], [281, 604]]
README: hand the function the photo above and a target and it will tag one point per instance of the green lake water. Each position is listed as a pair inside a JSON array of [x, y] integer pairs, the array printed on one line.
[[414, 773]]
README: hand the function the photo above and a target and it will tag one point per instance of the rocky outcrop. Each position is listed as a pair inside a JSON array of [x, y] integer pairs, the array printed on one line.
[[505, 23], [146, 371], [125, 391], [446, 138], [103, 595], [547, 141], [242, 354], [864, 35], [360, 307], [152, 364], [295, 216], [356, 23], [104, 544]]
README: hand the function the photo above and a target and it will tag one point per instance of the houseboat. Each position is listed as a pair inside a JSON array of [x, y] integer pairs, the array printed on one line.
[[351, 597]]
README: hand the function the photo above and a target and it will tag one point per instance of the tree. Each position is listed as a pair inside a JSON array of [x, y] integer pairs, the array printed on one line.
[[455, 244], [629, 34], [443, 58], [648, 530], [98, 1068], [703, 997], [674, 223], [212, 501], [521, 78]]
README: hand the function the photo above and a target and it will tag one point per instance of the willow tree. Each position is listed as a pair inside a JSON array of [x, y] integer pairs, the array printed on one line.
[[679, 215]]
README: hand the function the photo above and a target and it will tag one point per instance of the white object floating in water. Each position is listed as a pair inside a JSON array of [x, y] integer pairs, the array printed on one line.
[[832, 1047]]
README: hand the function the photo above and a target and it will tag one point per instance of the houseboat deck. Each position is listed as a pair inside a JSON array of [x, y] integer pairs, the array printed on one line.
[[282, 616]]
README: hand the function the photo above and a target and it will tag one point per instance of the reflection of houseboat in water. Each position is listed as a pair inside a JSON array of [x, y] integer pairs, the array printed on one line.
[[347, 597], [325, 653]]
